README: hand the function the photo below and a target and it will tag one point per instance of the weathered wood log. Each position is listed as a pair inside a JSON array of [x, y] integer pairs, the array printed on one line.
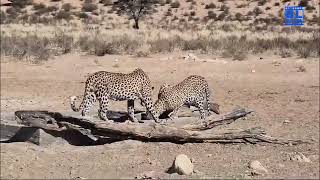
[[223, 119], [151, 131]]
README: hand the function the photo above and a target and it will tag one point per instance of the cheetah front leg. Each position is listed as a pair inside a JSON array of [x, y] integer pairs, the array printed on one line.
[[147, 101]]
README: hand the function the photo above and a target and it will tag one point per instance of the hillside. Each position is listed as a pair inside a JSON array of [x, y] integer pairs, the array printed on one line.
[[168, 13]]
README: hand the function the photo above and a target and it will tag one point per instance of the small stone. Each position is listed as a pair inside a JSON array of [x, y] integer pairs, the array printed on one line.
[[297, 156], [182, 165], [146, 175], [198, 173], [209, 155], [286, 121], [257, 167], [253, 71]]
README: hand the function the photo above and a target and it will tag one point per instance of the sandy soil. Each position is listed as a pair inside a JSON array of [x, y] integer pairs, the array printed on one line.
[[273, 87]]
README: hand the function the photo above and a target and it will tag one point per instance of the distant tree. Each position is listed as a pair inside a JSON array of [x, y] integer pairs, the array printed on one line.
[[135, 9]]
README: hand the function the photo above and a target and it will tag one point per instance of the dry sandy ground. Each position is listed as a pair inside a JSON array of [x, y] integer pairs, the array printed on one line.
[[275, 90]]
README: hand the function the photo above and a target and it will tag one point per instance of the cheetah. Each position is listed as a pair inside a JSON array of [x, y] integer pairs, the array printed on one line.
[[104, 86], [192, 91]]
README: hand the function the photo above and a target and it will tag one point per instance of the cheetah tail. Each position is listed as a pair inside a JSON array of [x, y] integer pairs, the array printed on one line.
[[73, 103], [211, 106], [208, 94]]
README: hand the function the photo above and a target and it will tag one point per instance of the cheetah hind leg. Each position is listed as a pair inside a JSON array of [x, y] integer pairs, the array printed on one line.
[[88, 101], [173, 115], [103, 108], [201, 105], [149, 106], [131, 111]]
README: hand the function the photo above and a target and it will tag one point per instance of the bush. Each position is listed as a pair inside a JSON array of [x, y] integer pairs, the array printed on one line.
[[221, 17], [107, 2], [20, 3], [40, 6], [303, 3], [42, 10], [83, 15], [304, 52], [66, 7], [89, 7], [2, 17], [212, 15], [210, 6], [238, 16], [35, 48], [175, 4], [284, 53], [162, 45], [52, 8], [223, 7], [63, 15], [257, 11], [28, 47], [162, 2], [13, 11], [262, 2]]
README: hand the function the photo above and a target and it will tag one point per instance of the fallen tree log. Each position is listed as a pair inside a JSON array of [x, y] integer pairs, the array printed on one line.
[[98, 130]]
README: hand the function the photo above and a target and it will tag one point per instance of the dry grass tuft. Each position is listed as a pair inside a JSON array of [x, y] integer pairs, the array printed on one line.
[[224, 40]]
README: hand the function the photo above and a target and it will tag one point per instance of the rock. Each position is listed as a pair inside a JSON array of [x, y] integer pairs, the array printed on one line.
[[297, 156], [286, 121], [198, 173], [190, 56], [301, 69], [257, 167], [253, 71], [146, 175], [209, 155], [182, 165]]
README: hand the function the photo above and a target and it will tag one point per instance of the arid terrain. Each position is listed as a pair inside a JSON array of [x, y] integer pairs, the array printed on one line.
[[250, 60], [285, 101]]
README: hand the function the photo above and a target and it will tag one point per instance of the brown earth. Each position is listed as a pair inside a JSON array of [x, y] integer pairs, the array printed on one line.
[[285, 101]]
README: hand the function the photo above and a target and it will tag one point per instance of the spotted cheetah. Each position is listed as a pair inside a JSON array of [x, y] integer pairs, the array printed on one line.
[[192, 91], [104, 86]]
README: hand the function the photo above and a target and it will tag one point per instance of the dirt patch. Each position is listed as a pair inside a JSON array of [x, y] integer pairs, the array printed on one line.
[[285, 101]]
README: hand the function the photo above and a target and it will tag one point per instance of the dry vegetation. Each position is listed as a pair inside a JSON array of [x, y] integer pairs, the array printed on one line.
[[37, 31], [47, 41]]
